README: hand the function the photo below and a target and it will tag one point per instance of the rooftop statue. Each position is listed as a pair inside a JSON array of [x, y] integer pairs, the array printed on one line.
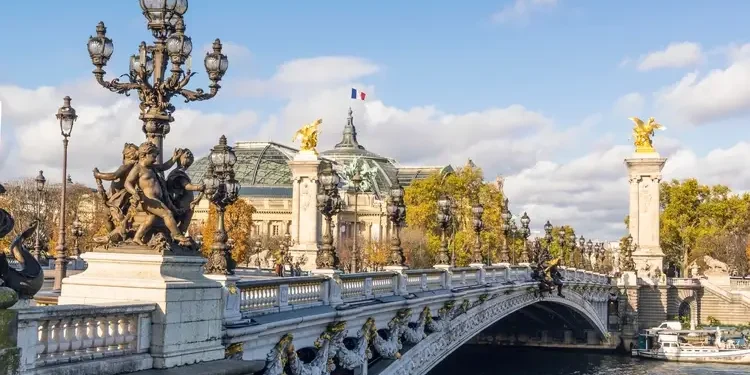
[[643, 134], [308, 136], [140, 195], [27, 281], [366, 172]]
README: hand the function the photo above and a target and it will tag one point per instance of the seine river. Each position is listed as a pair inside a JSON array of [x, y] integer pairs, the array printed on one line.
[[487, 360]]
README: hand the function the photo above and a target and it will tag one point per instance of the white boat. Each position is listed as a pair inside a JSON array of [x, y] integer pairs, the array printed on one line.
[[676, 346]]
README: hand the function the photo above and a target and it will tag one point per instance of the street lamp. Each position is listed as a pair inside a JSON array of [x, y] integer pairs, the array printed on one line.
[[505, 226], [561, 241], [77, 232], [525, 232], [397, 215], [148, 68], [477, 211], [596, 251], [222, 189], [572, 257], [329, 204], [356, 181], [40, 181], [582, 252], [589, 251], [444, 218], [66, 115]]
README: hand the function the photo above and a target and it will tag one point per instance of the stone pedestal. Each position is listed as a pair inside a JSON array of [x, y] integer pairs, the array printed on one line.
[[306, 220], [644, 176], [186, 326], [448, 275], [482, 271], [230, 297], [333, 293], [401, 271]]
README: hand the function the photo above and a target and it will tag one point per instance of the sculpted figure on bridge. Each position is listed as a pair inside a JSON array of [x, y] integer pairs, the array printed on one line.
[[643, 133], [554, 273], [140, 194], [308, 136]]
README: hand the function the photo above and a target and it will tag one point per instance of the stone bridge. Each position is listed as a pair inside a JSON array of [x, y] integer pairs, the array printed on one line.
[[392, 323]]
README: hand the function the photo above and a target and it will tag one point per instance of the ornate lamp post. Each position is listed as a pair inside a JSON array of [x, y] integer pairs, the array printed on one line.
[[582, 252], [597, 250], [444, 218], [513, 236], [572, 245], [477, 211], [397, 214], [547, 242], [329, 204], [356, 181], [525, 232], [257, 249], [77, 232], [561, 239], [67, 116], [222, 190], [40, 181], [589, 250], [505, 215], [148, 68]]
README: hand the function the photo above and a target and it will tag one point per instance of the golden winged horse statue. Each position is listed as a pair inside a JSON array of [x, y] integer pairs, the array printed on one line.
[[643, 133], [308, 136]]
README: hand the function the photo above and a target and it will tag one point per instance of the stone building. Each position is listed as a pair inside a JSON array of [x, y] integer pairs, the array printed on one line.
[[266, 181]]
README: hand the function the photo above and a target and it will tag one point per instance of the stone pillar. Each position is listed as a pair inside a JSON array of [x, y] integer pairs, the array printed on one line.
[[591, 337], [306, 220], [568, 337], [186, 326], [644, 175]]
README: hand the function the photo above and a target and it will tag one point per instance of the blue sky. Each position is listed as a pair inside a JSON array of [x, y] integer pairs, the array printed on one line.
[[566, 62]]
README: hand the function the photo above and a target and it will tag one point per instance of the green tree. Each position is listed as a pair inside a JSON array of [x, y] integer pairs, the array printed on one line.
[[695, 216]]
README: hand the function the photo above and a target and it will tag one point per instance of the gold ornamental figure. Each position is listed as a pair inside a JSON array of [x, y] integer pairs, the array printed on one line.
[[308, 136], [643, 134]]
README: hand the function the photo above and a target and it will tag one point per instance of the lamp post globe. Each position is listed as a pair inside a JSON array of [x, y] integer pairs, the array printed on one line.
[[40, 181]]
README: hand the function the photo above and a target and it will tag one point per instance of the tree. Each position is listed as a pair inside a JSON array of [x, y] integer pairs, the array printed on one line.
[[692, 214], [376, 255], [22, 200], [466, 188], [238, 221]]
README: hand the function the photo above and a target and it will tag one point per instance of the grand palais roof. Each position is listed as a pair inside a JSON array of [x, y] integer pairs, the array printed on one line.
[[262, 167]]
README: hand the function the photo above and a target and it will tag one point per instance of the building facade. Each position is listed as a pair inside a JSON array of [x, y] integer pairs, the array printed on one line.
[[266, 181]]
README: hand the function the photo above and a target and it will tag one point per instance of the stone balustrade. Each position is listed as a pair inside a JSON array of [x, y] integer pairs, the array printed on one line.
[[282, 294], [68, 334], [739, 284], [259, 297], [692, 282]]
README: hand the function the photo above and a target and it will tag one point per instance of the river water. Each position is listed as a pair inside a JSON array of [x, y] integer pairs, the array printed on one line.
[[489, 360]]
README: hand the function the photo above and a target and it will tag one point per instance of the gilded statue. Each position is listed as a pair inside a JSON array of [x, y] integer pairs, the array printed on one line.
[[643, 133], [308, 136]]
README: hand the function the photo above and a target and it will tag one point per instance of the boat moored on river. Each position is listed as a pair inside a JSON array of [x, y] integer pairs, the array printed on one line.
[[692, 346]]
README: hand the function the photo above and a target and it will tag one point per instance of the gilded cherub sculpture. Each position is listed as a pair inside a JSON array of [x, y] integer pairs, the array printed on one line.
[[643, 133], [308, 136]]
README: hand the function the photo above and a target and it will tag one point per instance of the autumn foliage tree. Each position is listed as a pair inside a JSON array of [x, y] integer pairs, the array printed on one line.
[[238, 221], [466, 188]]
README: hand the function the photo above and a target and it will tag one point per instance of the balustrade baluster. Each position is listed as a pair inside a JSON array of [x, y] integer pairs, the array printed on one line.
[[111, 345], [67, 336], [53, 342], [100, 340], [42, 347], [122, 331], [79, 331]]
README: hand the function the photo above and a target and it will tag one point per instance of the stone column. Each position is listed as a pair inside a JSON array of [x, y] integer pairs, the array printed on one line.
[[306, 220], [644, 173]]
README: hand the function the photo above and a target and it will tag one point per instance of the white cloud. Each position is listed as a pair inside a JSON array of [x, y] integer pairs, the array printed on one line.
[[629, 105], [32, 140], [720, 94], [676, 55], [520, 10]]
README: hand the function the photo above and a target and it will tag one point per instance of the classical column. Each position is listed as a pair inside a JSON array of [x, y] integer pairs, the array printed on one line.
[[306, 220], [644, 172]]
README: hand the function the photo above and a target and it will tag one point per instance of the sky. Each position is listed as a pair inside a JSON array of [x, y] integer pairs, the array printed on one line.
[[538, 91]]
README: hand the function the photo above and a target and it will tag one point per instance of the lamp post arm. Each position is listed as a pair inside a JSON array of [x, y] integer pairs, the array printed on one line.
[[200, 94], [115, 85]]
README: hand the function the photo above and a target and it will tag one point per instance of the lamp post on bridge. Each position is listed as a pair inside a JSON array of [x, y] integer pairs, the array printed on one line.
[[525, 232], [40, 181], [329, 204], [222, 190], [628, 265], [67, 116], [397, 214], [545, 253], [477, 211], [77, 231], [597, 251], [356, 181], [444, 218], [147, 73], [581, 252], [505, 215]]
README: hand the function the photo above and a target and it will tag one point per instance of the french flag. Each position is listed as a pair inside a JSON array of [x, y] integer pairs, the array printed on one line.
[[356, 94]]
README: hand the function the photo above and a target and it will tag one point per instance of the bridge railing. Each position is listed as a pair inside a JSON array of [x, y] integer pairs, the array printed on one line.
[[282, 294], [739, 284], [55, 335]]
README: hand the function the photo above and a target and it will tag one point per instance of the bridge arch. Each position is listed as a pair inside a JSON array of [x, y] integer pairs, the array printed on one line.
[[429, 352]]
